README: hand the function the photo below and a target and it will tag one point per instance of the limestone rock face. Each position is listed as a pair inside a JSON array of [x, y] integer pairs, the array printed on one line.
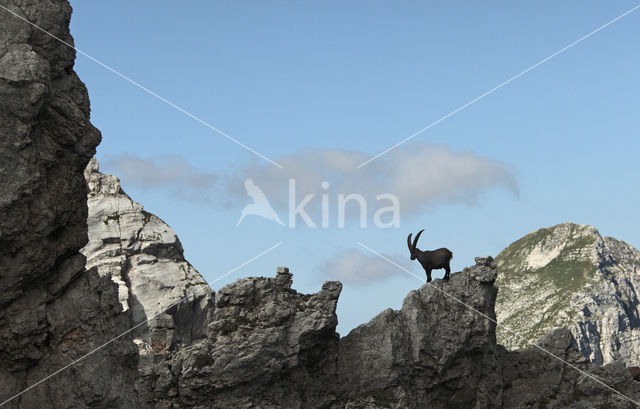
[[268, 346], [434, 352], [259, 343], [570, 276], [438, 353], [143, 256], [52, 310]]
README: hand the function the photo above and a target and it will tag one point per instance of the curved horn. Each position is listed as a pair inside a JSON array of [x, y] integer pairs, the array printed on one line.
[[415, 241], [409, 242]]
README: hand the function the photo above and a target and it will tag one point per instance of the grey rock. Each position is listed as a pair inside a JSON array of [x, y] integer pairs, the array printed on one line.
[[533, 378], [52, 309], [570, 276], [434, 352], [440, 351], [144, 257], [259, 343], [268, 346]]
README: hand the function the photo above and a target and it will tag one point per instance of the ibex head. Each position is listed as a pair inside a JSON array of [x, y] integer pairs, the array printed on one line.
[[413, 246]]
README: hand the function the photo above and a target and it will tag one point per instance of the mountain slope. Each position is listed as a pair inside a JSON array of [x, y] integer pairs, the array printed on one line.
[[570, 276]]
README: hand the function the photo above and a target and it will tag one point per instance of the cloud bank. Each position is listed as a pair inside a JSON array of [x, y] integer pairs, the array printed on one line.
[[420, 175]]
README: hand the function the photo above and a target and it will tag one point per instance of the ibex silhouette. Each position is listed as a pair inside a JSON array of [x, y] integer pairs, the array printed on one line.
[[430, 259]]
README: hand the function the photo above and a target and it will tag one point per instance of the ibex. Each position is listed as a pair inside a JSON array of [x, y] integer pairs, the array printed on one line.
[[430, 260]]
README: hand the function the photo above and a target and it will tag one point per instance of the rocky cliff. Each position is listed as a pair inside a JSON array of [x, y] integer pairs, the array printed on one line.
[[435, 352], [570, 276], [258, 343], [440, 351], [268, 346], [144, 258], [52, 309]]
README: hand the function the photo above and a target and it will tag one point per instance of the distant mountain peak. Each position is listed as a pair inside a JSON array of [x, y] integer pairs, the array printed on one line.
[[570, 276]]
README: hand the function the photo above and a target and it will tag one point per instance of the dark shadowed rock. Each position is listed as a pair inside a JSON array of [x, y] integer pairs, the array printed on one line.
[[263, 344], [438, 353], [533, 378], [434, 352], [268, 346], [52, 310]]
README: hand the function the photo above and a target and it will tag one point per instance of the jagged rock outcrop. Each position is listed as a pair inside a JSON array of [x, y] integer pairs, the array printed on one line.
[[438, 353], [144, 257], [262, 345], [169, 300], [52, 310], [570, 276], [434, 352], [268, 346]]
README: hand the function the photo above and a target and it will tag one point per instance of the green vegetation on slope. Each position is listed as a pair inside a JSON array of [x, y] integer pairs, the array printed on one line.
[[553, 284]]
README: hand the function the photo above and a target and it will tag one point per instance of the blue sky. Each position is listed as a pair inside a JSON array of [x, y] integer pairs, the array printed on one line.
[[331, 80]]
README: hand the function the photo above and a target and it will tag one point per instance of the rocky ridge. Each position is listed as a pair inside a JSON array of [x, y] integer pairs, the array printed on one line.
[[262, 344], [258, 343], [437, 352], [570, 276]]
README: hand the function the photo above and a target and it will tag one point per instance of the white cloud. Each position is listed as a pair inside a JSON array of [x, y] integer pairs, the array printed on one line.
[[354, 266], [419, 174]]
